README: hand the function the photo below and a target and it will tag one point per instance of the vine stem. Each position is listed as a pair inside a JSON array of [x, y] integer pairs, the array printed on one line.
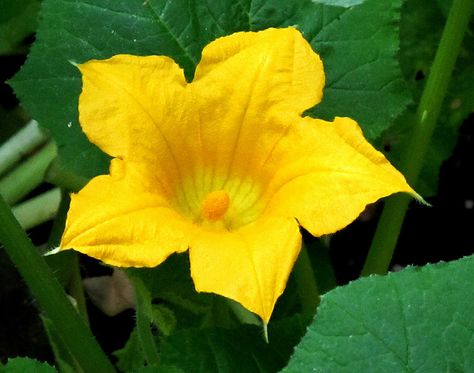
[[68, 262], [308, 291], [38, 210], [144, 316], [28, 175], [50, 295], [20, 144], [390, 223]]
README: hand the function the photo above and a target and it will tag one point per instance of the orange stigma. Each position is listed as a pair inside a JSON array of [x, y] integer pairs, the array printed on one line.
[[215, 205]]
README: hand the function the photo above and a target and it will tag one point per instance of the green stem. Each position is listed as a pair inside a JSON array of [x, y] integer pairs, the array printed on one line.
[[60, 221], [28, 175], [20, 144], [389, 227], [57, 175], [306, 283], [38, 210], [65, 362], [69, 262], [50, 295], [144, 314], [76, 289], [322, 265]]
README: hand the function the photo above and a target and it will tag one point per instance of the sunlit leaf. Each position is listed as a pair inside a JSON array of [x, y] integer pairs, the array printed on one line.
[[419, 320]]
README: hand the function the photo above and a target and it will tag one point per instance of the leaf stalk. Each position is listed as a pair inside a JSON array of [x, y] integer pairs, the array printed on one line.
[[390, 223], [50, 295]]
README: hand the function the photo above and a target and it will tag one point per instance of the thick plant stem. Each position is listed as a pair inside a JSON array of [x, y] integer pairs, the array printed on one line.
[[20, 144], [389, 227], [68, 262], [28, 175], [306, 282], [60, 220], [76, 289], [144, 318], [50, 295], [65, 362]]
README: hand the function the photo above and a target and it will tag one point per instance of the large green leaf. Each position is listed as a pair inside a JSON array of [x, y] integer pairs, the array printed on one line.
[[171, 284], [417, 320], [358, 46], [159, 369], [232, 350], [220, 350]]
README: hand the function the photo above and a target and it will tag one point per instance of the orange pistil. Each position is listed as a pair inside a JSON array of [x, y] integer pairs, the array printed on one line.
[[215, 205]]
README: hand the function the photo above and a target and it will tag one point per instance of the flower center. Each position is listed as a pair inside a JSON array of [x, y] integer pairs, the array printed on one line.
[[215, 205]]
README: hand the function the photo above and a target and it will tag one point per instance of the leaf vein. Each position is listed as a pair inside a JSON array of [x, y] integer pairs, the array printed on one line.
[[160, 19]]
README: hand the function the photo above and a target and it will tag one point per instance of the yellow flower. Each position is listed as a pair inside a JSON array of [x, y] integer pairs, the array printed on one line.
[[225, 166]]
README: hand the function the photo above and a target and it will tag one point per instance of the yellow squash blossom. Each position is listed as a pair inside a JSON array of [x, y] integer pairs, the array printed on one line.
[[225, 166]]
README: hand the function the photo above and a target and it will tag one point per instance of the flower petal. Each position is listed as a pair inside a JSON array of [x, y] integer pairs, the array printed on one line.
[[117, 219], [327, 173], [228, 152], [250, 265], [274, 67], [127, 102], [138, 109], [249, 86]]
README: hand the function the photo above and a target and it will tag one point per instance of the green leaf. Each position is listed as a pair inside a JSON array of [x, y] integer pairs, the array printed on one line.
[[17, 21], [171, 283], [358, 46], [359, 49], [208, 350], [24, 364], [419, 319], [231, 350], [159, 369]]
